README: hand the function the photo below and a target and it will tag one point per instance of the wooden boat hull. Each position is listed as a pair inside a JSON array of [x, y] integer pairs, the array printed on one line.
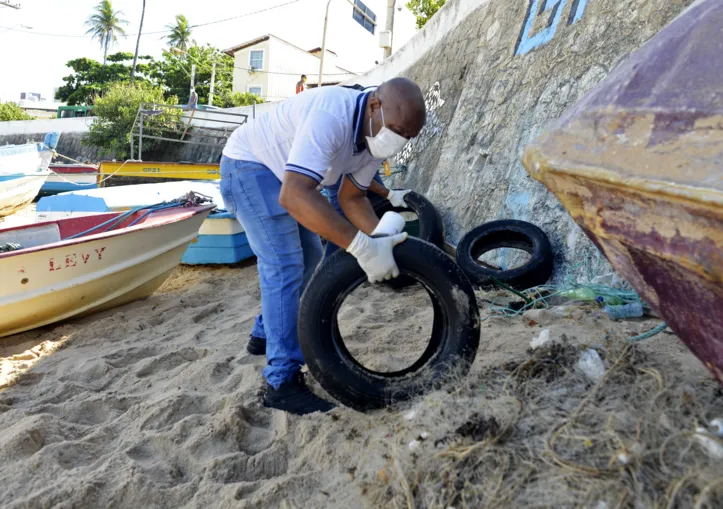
[[17, 193], [138, 172], [221, 239], [69, 177], [73, 278], [23, 170], [638, 164], [669, 248]]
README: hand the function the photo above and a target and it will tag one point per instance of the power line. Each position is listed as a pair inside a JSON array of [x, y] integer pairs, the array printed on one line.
[[282, 73], [35, 32], [296, 73], [350, 74], [244, 15], [5, 3]]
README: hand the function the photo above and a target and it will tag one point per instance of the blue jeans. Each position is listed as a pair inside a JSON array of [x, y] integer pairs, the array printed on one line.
[[287, 255], [332, 192]]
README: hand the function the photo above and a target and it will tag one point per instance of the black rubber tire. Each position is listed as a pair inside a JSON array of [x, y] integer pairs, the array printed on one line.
[[453, 344], [431, 226], [512, 234]]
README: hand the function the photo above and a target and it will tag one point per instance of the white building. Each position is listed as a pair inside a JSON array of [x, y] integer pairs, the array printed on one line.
[[270, 67], [37, 106], [355, 42]]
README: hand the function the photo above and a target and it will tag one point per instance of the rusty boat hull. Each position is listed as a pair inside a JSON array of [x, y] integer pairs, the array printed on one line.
[[638, 163]]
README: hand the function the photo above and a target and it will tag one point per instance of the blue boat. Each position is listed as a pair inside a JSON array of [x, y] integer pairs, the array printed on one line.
[[70, 177]]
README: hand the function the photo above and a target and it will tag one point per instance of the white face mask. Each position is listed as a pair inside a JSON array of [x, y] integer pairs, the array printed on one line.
[[386, 143]]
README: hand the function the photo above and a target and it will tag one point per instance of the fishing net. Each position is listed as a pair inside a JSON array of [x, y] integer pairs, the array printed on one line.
[[538, 433]]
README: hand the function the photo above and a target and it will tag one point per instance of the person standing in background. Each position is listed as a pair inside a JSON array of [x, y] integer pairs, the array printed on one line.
[[301, 84]]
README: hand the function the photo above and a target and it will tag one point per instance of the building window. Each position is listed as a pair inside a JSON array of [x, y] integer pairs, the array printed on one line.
[[361, 19], [256, 59], [256, 90]]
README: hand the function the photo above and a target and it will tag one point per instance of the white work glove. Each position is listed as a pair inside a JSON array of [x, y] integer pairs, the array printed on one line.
[[390, 224], [375, 255], [396, 198]]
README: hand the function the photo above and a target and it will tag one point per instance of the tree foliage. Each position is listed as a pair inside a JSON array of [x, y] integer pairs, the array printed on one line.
[[424, 9], [116, 100], [116, 112], [241, 99], [173, 72], [180, 33], [106, 25], [90, 79], [11, 111]]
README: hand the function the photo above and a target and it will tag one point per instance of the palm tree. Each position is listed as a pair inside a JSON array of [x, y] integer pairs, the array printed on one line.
[[105, 25], [180, 35], [138, 43]]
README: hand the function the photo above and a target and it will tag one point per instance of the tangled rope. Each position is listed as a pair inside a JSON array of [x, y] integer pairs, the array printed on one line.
[[539, 298], [191, 199]]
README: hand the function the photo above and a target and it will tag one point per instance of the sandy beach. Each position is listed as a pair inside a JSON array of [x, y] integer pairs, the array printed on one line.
[[157, 404]]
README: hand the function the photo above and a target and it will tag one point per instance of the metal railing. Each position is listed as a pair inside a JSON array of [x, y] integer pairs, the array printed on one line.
[[180, 124]]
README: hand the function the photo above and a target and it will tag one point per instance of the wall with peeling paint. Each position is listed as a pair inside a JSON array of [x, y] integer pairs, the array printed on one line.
[[495, 73]]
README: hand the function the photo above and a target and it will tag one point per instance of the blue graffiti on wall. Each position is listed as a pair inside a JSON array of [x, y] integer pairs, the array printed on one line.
[[553, 10]]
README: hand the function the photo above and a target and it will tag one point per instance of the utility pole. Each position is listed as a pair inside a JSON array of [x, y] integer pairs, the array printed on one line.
[[213, 82], [390, 27], [323, 39], [5, 3], [323, 45]]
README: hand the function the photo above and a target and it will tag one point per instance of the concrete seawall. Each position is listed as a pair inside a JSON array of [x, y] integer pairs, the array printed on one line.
[[495, 73]]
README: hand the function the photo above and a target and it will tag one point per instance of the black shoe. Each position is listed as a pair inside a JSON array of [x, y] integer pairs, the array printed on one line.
[[256, 346], [295, 397]]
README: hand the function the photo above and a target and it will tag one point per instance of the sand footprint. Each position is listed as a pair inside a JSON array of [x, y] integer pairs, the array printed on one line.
[[207, 312], [162, 462], [220, 371], [162, 415], [90, 412], [130, 356], [350, 312], [70, 455], [169, 361], [240, 467]]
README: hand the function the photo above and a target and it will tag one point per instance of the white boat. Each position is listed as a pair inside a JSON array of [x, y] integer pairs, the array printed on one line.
[[221, 240], [60, 269], [23, 170]]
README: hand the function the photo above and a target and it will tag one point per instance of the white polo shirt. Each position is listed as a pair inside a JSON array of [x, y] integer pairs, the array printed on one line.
[[318, 134]]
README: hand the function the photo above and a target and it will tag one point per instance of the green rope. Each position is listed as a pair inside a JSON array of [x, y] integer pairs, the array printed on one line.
[[604, 293], [647, 335], [510, 289]]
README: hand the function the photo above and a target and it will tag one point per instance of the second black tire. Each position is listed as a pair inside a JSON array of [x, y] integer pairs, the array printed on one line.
[[453, 343], [428, 226], [431, 227], [506, 233]]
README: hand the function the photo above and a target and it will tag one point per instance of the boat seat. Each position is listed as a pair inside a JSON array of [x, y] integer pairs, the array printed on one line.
[[32, 237]]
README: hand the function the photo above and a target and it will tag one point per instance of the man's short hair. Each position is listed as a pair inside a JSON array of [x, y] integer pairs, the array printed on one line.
[[303, 75]]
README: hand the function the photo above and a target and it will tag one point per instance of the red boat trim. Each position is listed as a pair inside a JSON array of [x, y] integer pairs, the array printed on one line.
[[161, 218]]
